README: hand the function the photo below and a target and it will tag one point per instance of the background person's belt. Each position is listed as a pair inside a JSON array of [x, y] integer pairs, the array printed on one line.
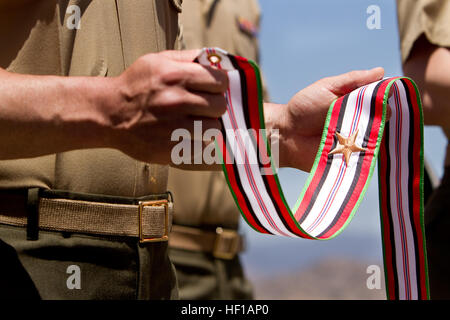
[[148, 218], [223, 243]]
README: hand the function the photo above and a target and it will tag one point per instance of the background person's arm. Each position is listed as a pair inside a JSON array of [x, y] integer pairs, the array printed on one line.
[[428, 65]]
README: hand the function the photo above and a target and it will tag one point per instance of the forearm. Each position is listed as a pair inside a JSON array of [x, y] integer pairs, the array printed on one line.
[[42, 115]]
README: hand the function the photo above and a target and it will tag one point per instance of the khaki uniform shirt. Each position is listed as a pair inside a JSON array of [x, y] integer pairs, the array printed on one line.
[[417, 17], [112, 35], [428, 17], [203, 198]]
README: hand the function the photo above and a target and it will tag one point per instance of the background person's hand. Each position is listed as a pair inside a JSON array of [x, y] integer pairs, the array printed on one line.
[[158, 94], [301, 121]]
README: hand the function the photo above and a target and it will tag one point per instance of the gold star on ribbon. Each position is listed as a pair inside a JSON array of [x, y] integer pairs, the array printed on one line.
[[346, 146]]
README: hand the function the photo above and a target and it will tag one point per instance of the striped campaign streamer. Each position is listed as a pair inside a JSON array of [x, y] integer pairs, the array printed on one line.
[[354, 136]]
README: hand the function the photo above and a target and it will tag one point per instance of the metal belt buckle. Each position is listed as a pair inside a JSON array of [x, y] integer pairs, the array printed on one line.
[[227, 243], [154, 203]]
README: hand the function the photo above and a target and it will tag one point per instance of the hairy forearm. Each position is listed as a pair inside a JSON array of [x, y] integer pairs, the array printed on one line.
[[42, 115], [135, 112]]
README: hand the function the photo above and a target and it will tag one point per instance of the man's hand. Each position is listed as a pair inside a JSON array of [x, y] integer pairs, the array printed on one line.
[[300, 122], [135, 112], [160, 93]]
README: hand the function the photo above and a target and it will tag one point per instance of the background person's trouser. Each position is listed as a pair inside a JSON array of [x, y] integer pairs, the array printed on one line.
[[104, 268], [437, 223], [203, 277]]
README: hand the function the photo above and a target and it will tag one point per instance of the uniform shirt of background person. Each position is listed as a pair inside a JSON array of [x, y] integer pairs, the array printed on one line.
[[112, 35], [203, 199], [431, 19]]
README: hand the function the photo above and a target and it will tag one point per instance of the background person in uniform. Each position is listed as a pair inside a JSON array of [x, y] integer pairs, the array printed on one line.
[[90, 112], [425, 43], [204, 242]]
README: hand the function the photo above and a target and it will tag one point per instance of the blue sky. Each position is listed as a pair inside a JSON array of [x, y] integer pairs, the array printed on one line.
[[301, 42]]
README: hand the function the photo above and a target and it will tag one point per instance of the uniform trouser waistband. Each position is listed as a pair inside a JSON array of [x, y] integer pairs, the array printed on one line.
[[223, 243], [148, 218]]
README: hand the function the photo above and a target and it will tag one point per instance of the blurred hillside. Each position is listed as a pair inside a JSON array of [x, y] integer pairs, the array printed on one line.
[[330, 279]]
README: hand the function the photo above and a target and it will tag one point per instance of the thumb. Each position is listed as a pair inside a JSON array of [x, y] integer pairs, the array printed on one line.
[[181, 55], [347, 82]]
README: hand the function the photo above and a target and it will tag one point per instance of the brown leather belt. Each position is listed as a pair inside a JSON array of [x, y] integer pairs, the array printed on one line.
[[222, 244], [147, 218]]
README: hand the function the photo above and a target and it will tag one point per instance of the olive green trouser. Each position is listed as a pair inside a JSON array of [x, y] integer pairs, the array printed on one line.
[[437, 226], [76, 266], [203, 277]]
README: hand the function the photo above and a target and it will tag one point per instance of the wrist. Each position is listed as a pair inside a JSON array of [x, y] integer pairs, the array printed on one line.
[[85, 118], [277, 130]]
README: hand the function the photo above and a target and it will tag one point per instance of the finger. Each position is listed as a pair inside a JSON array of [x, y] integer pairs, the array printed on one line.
[[204, 78], [181, 55], [182, 103], [206, 105], [347, 82], [193, 75]]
